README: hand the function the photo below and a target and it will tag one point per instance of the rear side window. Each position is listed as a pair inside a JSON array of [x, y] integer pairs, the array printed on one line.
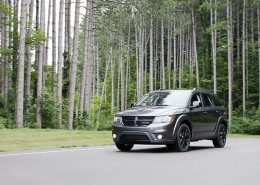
[[216, 101], [207, 100]]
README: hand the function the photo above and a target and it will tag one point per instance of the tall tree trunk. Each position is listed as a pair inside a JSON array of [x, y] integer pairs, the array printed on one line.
[[180, 60], [6, 56], [20, 76], [169, 54], [118, 85], [191, 61], [238, 36], [156, 56], [162, 56], [29, 61], [230, 58], [174, 56], [151, 57], [258, 31], [112, 83], [141, 59], [40, 69], [88, 85], [137, 61], [67, 27], [2, 47], [213, 20], [60, 63], [13, 43], [195, 55], [122, 73], [54, 50], [73, 67], [244, 56], [37, 48], [128, 66], [46, 50], [85, 59]]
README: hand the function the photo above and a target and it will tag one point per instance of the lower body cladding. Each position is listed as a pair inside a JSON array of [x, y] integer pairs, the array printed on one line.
[[151, 134]]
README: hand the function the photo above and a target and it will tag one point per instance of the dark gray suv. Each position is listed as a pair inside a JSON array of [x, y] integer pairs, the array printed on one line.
[[173, 118]]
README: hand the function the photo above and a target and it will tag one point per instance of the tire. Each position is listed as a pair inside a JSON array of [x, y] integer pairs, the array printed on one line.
[[182, 143], [221, 135], [124, 147]]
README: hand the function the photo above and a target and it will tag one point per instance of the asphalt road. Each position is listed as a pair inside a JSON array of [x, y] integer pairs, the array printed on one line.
[[236, 164]]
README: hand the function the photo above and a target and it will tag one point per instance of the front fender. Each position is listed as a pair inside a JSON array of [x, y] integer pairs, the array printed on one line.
[[179, 121]]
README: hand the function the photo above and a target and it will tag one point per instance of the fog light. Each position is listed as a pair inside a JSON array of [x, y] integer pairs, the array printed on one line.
[[160, 136], [114, 136]]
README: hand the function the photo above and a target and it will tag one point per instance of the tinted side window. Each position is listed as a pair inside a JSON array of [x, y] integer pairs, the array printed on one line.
[[216, 101], [207, 100]]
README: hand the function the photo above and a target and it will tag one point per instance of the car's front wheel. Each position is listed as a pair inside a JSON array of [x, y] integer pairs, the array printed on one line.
[[124, 147], [183, 138], [220, 140]]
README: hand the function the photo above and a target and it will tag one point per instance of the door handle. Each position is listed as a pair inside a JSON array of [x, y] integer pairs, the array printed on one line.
[[217, 111], [205, 112]]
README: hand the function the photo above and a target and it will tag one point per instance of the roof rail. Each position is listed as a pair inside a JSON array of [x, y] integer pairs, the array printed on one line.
[[199, 88]]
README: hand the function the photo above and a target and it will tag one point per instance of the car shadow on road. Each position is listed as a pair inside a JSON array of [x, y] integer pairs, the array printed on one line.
[[168, 150]]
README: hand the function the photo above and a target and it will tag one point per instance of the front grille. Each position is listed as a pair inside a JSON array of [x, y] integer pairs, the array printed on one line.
[[134, 138], [137, 120]]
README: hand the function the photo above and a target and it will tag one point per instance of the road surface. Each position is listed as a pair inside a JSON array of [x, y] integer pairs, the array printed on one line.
[[236, 164]]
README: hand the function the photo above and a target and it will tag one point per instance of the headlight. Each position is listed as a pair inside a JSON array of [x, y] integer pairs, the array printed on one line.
[[163, 119], [118, 119]]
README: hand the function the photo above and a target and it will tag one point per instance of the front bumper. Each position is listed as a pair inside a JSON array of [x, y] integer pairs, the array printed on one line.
[[144, 135]]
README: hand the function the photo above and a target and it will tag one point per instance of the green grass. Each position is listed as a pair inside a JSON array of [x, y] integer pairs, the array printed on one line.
[[28, 139], [242, 136]]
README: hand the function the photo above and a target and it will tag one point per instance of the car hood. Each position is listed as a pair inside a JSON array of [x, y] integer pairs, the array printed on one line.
[[152, 111]]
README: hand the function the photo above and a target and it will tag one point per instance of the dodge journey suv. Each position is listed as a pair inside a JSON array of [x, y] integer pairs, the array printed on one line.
[[173, 118]]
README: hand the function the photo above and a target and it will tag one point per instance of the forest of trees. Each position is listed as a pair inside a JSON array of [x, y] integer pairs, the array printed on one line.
[[74, 64]]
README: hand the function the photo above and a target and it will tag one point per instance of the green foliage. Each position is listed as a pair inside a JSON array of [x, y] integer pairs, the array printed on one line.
[[106, 117], [84, 122], [37, 38], [3, 122], [49, 111], [245, 126]]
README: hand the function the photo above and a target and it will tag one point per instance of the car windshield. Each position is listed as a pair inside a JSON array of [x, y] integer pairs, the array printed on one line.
[[165, 98]]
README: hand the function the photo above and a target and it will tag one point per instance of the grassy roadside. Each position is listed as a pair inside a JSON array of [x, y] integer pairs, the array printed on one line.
[[28, 139]]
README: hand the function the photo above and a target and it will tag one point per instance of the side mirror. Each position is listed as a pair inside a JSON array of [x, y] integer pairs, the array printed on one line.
[[195, 104], [132, 104]]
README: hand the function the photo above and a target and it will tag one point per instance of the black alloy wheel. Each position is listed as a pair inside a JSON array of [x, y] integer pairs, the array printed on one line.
[[124, 147], [182, 142], [220, 140]]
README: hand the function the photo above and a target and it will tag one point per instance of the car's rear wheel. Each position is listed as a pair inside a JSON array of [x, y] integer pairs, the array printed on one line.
[[124, 147], [183, 138], [220, 140]]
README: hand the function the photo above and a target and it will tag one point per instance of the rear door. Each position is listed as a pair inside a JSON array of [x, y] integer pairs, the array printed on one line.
[[218, 109], [210, 117]]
